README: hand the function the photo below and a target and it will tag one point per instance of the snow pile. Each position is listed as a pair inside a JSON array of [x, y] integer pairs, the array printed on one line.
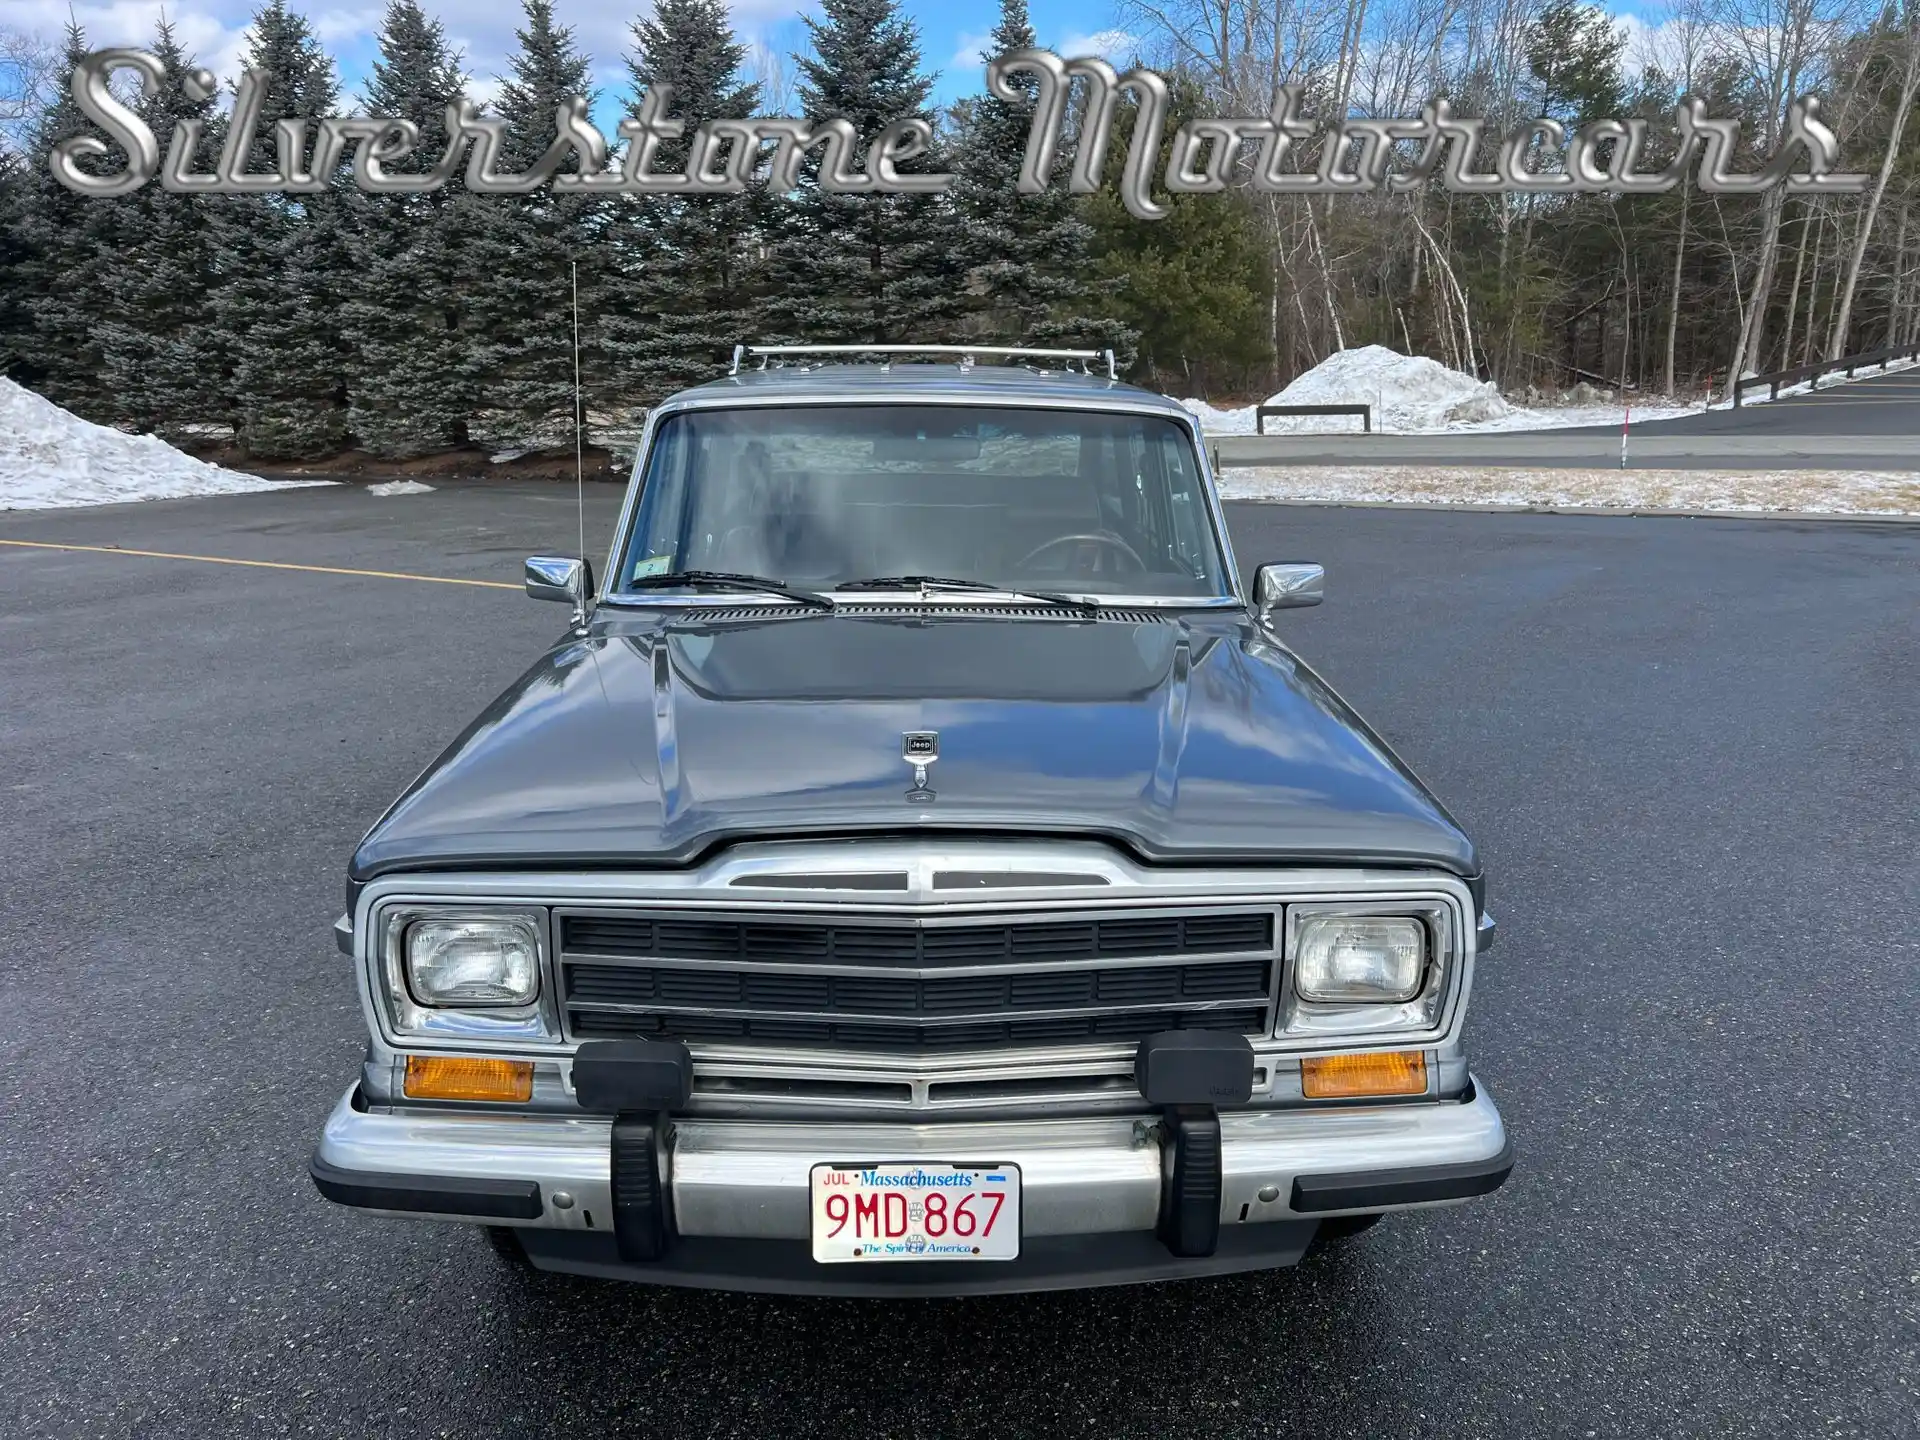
[[1830, 492], [1413, 394], [1215, 421], [1408, 392], [400, 487], [50, 457]]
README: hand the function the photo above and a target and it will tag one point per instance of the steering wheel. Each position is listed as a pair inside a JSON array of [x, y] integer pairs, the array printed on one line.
[[1090, 545]]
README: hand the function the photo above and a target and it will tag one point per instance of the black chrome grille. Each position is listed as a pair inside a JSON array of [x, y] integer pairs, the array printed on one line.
[[906, 943], [905, 985]]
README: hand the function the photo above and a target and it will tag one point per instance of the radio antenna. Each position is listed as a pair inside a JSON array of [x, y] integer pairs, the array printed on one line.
[[579, 425]]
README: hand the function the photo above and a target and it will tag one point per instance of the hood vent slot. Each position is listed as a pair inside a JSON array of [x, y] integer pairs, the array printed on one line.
[[1006, 879], [851, 880]]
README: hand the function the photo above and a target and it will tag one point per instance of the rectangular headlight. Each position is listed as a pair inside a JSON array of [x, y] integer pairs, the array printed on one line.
[[463, 973], [1368, 968], [1359, 959], [473, 962]]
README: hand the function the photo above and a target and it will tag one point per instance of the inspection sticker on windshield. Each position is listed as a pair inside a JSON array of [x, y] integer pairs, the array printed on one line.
[[909, 1210]]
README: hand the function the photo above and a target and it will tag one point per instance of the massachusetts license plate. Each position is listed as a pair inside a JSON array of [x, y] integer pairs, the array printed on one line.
[[909, 1210]]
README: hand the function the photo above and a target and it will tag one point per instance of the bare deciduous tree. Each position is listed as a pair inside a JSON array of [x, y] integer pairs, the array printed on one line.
[[28, 62], [1905, 41]]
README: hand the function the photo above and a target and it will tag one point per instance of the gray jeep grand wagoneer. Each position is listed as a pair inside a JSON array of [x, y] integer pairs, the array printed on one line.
[[921, 867]]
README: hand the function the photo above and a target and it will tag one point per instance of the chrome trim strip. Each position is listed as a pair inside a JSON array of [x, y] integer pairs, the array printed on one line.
[[914, 906]]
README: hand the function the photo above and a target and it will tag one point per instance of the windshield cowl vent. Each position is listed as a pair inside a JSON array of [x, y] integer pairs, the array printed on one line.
[[931, 610]]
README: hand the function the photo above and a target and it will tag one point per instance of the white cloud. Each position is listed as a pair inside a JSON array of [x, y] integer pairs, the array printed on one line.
[[1110, 44], [335, 26], [973, 45], [212, 34], [214, 31]]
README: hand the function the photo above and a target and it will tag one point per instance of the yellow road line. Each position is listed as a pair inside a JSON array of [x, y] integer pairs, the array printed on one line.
[[262, 564]]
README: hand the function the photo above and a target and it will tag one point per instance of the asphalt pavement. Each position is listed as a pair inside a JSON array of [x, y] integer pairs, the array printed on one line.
[[1686, 747], [1869, 423]]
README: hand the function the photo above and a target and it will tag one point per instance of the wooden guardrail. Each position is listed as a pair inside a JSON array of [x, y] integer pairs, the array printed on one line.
[[1813, 372], [1365, 412]]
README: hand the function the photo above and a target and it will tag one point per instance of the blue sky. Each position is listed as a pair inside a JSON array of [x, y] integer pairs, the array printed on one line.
[[951, 31]]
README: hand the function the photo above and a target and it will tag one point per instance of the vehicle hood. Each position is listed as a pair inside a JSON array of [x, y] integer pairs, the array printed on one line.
[[645, 743]]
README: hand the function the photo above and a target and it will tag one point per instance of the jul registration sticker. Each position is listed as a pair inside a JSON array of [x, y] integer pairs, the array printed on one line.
[[908, 1210]]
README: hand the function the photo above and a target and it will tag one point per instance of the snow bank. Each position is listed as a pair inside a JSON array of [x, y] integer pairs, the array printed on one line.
[[1222, 422], [400, 487], [1411, 394], [1558, 417], [50, 457], [1408, 392], [1832, 492]]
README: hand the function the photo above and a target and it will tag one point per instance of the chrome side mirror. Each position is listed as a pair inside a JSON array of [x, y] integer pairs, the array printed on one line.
[[556, 577], [1287, 587]]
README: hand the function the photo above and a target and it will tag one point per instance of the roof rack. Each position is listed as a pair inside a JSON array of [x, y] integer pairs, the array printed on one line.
[[966, 353]]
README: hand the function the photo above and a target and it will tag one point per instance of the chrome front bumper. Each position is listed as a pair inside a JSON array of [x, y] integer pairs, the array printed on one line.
[[741, 1183]]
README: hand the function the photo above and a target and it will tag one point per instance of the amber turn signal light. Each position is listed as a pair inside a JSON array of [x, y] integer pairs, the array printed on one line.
[[1345, 1077], [459, 1077]]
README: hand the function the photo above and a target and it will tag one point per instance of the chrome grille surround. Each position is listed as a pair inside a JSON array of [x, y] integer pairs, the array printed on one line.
[[795, 882]]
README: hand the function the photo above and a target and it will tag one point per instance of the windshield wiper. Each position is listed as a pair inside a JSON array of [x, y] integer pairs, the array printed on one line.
[[942, 582], [728, 580]]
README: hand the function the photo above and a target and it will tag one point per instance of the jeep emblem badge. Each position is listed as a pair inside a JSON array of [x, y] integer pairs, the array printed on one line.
[[920, 748]]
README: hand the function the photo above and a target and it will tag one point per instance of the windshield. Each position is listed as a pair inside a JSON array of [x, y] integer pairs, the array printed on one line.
[[1017, 499]]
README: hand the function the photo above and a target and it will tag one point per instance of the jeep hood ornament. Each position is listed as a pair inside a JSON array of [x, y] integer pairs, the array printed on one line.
[[920, 748]]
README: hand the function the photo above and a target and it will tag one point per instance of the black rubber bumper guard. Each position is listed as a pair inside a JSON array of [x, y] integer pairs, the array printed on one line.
[[641, 1082], [1190, 1074]]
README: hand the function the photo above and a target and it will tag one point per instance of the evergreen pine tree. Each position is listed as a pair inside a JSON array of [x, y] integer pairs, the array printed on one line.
[[283, 265], [63, 244], [1197, 284], [411, 374], [16, 319], [521, 291], [866, 268], [164, 361], [1026, 255], [690, 261]]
